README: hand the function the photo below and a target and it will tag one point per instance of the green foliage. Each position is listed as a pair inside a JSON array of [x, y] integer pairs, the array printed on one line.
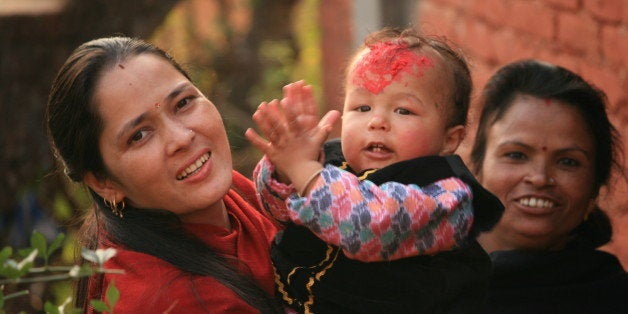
[[21, 268], [61, 207], [112, 295]]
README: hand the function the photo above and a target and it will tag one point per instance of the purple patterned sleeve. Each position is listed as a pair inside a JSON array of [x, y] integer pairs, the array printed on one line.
[[387, 222], [271, 193]]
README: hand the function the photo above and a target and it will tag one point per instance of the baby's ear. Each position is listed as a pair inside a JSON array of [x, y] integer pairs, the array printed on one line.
[[453, 137]]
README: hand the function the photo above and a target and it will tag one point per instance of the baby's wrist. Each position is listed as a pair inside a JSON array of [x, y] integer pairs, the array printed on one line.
[[304, 177], [280, 177]]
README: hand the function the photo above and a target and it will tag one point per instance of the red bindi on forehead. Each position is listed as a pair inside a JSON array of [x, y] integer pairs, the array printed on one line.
[[381, 65]]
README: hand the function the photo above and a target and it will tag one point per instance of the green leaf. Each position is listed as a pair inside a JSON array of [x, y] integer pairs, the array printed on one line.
[[56, 244], [99, 306], [112, 294], [25, 251], [10, 269], [86, 270], [6, 252], [28, 261], [38, 241], [51, 308], [1, 299]]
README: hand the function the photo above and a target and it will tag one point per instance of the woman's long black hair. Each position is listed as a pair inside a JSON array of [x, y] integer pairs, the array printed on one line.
[[74, 129]]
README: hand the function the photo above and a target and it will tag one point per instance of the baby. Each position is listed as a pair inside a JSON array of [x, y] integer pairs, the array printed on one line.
[[394, 193]]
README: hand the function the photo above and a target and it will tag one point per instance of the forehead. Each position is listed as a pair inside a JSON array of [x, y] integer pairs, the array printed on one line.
[[134, 80], [547, 122], [377, 66]]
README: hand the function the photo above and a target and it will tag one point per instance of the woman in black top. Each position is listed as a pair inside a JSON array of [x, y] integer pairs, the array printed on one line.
[[545, 146]]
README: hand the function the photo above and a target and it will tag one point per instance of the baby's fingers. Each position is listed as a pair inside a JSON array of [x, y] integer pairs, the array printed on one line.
[[269, 119], [325, 126], [328, 121], [308, 101], [256, 140]]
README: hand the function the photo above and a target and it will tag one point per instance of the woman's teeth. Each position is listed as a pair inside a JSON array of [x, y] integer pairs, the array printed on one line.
[[536, 202], [193, 168]]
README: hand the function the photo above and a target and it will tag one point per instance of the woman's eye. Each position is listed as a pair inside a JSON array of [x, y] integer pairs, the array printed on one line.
[[363, 108], [402, 111], [516, 155], [137, 136], [568, 162], [184, 102]]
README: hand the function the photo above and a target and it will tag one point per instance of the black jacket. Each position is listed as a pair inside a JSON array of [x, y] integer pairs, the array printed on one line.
[[315, 276], [578, 279], [574, 280]]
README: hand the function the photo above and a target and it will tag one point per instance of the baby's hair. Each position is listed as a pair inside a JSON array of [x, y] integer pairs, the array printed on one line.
[[461, 76]]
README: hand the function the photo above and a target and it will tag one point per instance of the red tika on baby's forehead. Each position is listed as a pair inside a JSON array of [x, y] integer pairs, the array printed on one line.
[[383, 63]]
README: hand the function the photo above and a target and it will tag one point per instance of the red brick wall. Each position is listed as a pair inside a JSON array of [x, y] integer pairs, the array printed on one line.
[[589, 37]]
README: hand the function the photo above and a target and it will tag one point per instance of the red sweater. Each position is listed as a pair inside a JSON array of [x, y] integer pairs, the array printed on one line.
[[151, 285]]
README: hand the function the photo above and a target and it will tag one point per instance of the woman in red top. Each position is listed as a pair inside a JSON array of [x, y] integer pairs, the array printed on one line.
[[126, 120]]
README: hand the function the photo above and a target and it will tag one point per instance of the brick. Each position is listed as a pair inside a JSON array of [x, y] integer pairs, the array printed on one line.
[[571, 5], [481, 73], [615, 44], [511, 46], [615, 204], [495, 12], [606, 10], [434, 18], [560, 58], [610, 80], [578, 32], [532, 17], [458, 4], [479, 40]]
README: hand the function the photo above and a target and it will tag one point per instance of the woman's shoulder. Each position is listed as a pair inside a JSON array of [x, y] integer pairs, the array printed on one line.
[[151, 284], [555, 268], [566, 281]]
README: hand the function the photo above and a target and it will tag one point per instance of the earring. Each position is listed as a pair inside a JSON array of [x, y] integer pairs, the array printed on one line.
[[116, 208]]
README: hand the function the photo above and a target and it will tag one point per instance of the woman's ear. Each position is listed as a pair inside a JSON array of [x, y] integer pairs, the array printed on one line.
[[104, 187], [453, 137], [590, 207]]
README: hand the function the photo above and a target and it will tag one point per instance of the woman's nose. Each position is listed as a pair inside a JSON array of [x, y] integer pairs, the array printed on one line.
[[179, 137], [540, 176], [378, 122]]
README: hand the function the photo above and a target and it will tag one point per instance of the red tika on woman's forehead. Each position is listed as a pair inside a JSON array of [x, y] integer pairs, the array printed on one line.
[[380, 66]]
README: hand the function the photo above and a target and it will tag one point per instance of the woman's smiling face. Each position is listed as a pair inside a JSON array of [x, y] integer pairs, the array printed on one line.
[[163, 143], [540, 162]]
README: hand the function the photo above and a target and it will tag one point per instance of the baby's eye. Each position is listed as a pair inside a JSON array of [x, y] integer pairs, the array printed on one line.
[[363, 108], [403, 111]]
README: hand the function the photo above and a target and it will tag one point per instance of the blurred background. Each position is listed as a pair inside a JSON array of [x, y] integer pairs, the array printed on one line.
[[241, 52]]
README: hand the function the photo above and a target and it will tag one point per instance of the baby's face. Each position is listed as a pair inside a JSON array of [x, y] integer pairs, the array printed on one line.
[[395, 107]]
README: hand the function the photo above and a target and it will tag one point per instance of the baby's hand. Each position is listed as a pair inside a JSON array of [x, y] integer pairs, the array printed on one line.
[[294, 132]]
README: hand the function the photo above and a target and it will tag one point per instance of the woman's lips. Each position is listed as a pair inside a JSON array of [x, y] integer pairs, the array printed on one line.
[[194, 167]]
